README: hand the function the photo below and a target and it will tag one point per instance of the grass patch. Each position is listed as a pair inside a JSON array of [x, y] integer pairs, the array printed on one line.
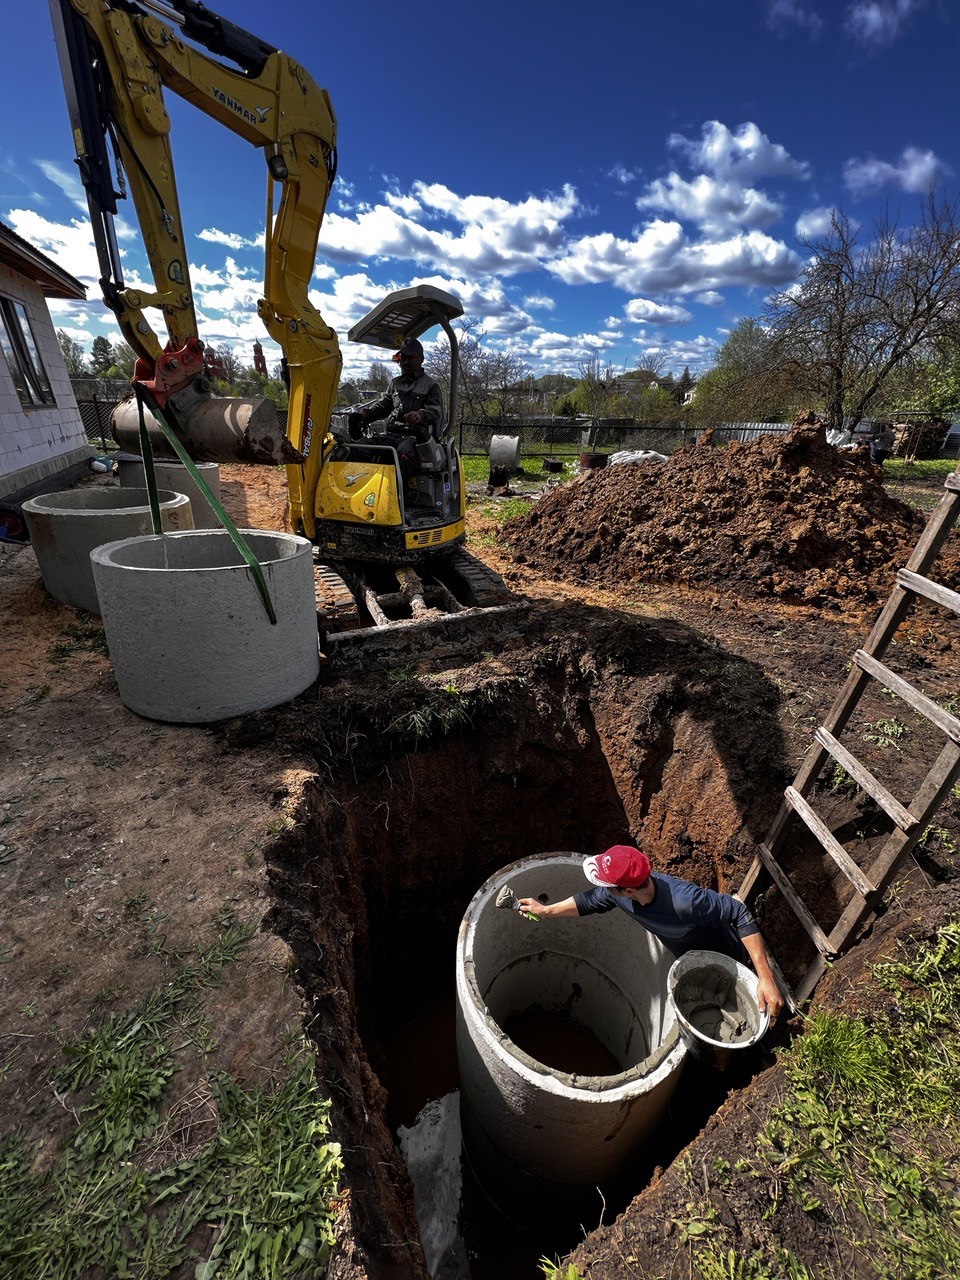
[[931, 469], [866, 1136], [477, 470], [86, 635], [136, 1193], [506, 510]]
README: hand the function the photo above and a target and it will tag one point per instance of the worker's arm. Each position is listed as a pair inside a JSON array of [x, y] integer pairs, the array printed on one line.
[[376, 409], [545, 911], [768, 993]]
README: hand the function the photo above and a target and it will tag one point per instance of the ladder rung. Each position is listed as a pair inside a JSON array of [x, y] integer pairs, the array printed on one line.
[[919, 701], [933, 591], [865, 779], [778, 875], [833, 846]]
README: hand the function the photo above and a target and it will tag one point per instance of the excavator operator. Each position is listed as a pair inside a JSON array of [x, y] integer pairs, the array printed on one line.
[[412, 406]]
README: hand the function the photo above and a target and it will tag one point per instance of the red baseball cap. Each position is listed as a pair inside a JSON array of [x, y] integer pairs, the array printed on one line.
[[621, 867]]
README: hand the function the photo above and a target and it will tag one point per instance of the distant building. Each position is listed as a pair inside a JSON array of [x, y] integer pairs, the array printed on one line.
[[42, 439], [259, 360]]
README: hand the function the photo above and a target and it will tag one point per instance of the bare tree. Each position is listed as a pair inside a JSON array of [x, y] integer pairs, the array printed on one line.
[[506, 377], [378, 376], [472, 383], [865, 308]]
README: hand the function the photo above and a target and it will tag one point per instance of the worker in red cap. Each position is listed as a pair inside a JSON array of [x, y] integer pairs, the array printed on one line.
[[412, 405], [682, 915]]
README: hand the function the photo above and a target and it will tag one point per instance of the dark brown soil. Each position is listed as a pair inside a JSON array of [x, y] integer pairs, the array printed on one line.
[[788, 518], [356, 822]]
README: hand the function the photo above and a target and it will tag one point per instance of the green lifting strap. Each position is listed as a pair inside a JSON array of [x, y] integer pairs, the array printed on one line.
[[146, 452]]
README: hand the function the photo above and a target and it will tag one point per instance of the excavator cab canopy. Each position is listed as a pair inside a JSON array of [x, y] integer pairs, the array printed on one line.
[[407, 313]]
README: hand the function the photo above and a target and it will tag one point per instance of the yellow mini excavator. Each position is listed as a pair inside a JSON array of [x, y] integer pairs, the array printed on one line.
[[389, 538]]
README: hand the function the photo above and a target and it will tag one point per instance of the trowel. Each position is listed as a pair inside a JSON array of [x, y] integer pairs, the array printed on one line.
[[507, 899]]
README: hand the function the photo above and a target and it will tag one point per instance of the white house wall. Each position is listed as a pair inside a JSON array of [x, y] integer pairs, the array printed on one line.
[[37, 444]]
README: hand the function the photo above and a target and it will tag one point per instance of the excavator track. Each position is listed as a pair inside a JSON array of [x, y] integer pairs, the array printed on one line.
[[486, 588], [336, 607], [454, 604]]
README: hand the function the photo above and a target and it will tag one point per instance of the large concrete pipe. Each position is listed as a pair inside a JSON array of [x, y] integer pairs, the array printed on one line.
[[65, 527], [175, 476], [216, 429], [602, 974], [188, 633]]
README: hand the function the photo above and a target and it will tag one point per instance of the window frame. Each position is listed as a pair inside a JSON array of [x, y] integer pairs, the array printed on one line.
[[18, 342]]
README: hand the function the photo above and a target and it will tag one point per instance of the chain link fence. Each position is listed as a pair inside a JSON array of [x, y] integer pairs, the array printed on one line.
[[568, 437]]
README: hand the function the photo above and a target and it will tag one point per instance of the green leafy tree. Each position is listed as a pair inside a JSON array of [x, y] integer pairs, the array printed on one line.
[[124, 359], [73, 354], [747, 384], [656, 404], [101, 357]]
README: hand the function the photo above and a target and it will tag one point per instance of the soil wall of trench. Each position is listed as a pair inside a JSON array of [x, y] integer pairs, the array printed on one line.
[[427, 782]]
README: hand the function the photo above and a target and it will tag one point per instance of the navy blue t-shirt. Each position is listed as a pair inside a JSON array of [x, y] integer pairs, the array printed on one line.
[[683, 916]]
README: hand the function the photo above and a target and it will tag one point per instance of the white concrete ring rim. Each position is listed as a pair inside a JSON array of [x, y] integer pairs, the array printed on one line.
[[611, 1088]]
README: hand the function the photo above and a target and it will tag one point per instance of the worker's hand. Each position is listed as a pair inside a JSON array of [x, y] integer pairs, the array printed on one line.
[[769, 998], [531, 907], [412, 419]]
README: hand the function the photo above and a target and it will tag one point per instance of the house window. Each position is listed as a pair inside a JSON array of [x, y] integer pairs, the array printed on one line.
[[22, 356]]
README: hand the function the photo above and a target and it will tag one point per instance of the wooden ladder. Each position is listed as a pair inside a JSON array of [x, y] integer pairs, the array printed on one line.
[[909, 821]]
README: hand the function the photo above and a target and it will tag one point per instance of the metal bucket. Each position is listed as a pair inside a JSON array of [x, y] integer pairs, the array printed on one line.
[[592, 461], [505, 452], [716, 1003]]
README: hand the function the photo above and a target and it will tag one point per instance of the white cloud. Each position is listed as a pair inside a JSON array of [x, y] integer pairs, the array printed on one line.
[[232, 290], [784, 16], [879, 22], [70, 244], [718, 205], [813, 223], [698, 353], [539, 302], [494, 236], [407, 205], [68, 181], [744, 155], [230, 239], [662, 260], [620, 173], [642, 310], [915, 171], [709, 298]]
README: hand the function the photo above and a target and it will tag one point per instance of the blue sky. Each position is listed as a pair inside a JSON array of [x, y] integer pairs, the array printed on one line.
[[619, 180]]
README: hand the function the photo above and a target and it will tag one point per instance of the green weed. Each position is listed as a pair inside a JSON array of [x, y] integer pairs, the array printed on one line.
[[556, 1271], [129, 1199], [886, 733], [867, 1127], [86, 635], [840, 782]]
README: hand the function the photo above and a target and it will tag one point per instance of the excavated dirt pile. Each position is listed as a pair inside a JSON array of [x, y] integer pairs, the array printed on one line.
[[787, 516]]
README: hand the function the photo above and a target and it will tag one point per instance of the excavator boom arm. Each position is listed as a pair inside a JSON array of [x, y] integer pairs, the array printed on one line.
[[117, 58]]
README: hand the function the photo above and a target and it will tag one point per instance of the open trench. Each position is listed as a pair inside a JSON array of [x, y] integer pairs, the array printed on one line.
[[600, 730]]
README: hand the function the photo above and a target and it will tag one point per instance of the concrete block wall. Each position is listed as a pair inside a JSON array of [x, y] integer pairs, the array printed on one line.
[[37, 444]]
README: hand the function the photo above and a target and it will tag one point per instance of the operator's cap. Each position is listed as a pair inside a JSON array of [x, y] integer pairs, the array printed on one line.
[[410, 347], [621, 867]]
